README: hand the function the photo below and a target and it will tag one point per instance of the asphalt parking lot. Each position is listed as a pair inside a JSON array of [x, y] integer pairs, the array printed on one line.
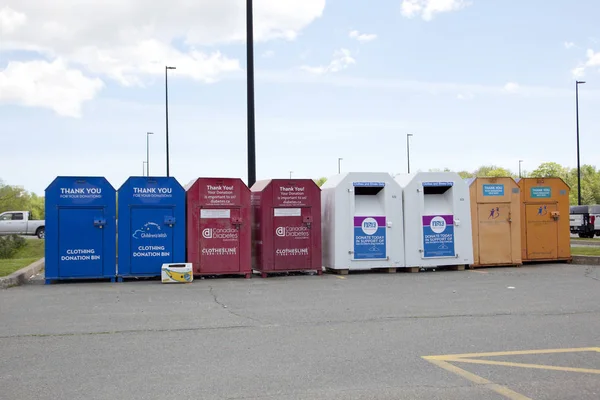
[[432, 335]]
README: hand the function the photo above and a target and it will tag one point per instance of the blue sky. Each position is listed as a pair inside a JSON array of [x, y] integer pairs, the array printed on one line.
[[477, 82]]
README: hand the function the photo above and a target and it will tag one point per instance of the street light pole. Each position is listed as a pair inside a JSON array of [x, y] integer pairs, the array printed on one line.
[[408, 135], [167, 68], [577, 83], [148, 152], [250, 94], [520, 161], [291, 174], [340, 165], [143, 167]]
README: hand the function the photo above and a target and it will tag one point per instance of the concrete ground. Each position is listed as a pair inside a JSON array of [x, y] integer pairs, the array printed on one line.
[[362, 336]]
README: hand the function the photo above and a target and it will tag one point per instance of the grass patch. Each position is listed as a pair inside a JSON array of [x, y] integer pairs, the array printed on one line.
[[586, 239], [585, 251], [33, 251]]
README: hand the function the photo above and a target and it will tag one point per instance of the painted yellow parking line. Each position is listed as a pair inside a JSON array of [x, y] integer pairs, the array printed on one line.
[[513, 353], [340, 277], [444, 361], [479, 272], [521, 365], [502, 390]]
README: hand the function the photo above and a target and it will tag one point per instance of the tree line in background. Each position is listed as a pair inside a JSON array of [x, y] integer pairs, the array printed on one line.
[[590, 178], [17, 198]]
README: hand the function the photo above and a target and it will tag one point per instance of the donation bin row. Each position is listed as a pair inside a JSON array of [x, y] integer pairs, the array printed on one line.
[[209, 225], [356, 221]]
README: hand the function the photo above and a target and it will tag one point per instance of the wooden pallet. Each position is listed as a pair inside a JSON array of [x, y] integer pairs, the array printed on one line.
[[265, 274]]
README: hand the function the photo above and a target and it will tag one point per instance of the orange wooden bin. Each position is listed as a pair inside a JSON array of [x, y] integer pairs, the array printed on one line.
[[496, 221], [545, 232]]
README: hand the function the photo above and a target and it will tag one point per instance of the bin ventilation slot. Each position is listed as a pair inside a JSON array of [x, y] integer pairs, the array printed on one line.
[[367, 191], [152, 181], [436, 189], [80, 181]]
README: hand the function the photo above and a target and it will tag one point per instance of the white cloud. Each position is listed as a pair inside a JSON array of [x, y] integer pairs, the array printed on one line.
[[128, 41], [50, 85], [268, 54], [593, 60], [568, 45], [428, 8], [10, 20], [465, 96], [342, 59], [511, 87], [362, 37]]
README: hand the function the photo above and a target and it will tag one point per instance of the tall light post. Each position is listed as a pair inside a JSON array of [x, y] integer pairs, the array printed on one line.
[[577, 83], [250, 94], [291, 174], [167, 68], [408, 135], [340, 165], [520, 161], [148, 152], [143, 167]]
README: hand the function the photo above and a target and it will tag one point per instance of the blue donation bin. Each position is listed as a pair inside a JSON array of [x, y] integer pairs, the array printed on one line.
[[151, 225], [80, 229]]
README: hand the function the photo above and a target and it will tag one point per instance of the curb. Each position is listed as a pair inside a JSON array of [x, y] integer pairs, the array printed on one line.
[[21, 276], [586, 260]]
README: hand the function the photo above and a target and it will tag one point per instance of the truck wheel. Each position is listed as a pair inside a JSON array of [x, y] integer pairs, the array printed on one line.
[[41, 233], [581, 235]]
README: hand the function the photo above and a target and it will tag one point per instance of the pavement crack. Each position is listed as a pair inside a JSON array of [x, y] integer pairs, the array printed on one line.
[[225, 307], [588, 273]]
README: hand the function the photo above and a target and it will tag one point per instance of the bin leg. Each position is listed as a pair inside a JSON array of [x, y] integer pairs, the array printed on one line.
[[248, 276], [48, 281], [319, 272], [120, 279], [263, 275], [112, 280]]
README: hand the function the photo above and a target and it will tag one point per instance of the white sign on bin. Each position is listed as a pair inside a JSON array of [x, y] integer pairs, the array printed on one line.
[[288, 212], [214, 213]]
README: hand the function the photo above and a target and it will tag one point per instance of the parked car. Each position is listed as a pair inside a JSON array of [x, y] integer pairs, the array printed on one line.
[[20, 223], [585, 221]]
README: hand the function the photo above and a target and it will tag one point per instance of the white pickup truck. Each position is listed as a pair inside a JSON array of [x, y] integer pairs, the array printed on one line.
[[19, 223]]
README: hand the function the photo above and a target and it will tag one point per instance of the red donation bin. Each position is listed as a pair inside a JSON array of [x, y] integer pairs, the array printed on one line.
[[218, 227], [286, 224]]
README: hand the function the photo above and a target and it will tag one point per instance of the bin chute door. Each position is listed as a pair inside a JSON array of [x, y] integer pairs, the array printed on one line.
[[542, 231], [292, 229], [151, 239], [220, 240], [81, 242], [494, 234]]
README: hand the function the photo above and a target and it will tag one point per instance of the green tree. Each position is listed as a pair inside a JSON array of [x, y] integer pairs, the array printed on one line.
[[550, 170], [465, 174], [18, 199], [492, 171], [320, 181]]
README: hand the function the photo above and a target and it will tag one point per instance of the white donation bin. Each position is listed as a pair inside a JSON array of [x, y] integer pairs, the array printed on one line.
[[437, 219], [362, 222]]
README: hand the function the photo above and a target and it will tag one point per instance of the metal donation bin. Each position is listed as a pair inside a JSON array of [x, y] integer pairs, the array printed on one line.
[[545, 232], [362, 222], [218, 226], [286, 224], [151, 225], [496, 221], [437, 220], [80, 229]]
